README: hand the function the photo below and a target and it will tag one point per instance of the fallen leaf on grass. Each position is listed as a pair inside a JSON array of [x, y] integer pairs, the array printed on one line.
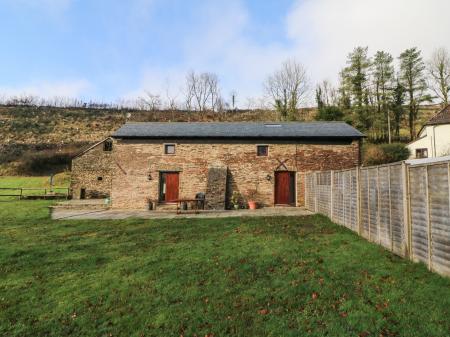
[[343, 314], [314, 295], [364, 334], [263, 311]]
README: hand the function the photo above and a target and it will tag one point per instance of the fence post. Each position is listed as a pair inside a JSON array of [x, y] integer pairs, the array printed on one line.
[[331, 195], [21, 193], [427, 186], [406, 210], [358, 199]]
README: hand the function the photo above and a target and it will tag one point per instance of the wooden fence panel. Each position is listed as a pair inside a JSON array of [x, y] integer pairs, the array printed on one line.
[[353, 191], [438, 182], [338, 199], [365, 210], [323, 190], [373, 204], [346, 198], [397, 210], [310, 195], [384, 207], [419, 213]]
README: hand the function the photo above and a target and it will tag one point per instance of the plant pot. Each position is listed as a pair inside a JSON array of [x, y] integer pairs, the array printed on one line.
[[236, 206], [252, 205]]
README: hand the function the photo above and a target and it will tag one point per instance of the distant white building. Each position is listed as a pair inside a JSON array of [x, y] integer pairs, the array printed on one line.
[[434, 137]]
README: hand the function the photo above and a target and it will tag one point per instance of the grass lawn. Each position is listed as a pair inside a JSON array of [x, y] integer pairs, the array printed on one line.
[[242, 277], [60, 180]]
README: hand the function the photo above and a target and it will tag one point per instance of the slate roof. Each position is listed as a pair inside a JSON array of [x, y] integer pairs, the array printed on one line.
[[245, 130], [442, 117]]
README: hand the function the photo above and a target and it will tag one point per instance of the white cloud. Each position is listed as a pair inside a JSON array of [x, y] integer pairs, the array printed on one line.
[[218, 43], [319, 33], [46, 89], [325, 31]]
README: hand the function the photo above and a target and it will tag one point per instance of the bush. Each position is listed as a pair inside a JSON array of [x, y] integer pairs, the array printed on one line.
[[384, 154], [47, 161], [329, 113], [395, 152]]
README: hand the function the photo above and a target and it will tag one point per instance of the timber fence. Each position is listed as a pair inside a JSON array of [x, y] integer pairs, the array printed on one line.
[[405, 208]]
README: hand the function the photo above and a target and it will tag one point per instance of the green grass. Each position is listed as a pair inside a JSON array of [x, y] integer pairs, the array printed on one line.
[[285, 276], [61, 180]]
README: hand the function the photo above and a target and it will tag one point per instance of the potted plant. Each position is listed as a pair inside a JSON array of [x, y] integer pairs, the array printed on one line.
[[236, 200], [251, 198]]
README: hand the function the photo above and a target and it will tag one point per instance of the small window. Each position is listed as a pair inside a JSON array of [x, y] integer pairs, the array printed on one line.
[[99, 178], [107, 146], [169, 148], [421, 153], [262, 150]]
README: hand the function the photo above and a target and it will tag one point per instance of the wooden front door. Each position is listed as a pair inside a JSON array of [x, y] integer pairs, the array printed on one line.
[[168, 186], [284, 188]]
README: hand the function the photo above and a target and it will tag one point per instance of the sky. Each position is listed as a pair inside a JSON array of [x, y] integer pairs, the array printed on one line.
[[106, 50]]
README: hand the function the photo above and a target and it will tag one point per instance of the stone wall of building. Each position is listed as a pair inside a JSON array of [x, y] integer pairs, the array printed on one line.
[[92, 171], [137, 164]]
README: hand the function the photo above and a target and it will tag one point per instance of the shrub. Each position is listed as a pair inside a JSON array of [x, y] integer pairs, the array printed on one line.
[[329, 113], [47, 161], [395, 152], [384, 154]]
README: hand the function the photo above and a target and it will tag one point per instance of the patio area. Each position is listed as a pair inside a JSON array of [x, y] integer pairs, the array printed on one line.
[[60, 213]]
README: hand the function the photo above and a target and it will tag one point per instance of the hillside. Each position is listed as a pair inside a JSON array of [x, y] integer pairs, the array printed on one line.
[[32, 137], [28, 132]]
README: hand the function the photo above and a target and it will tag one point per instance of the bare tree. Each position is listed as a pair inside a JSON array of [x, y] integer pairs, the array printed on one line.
[[326, 94], [202, 91], [439, 74], [149, 101], [287, 87], [214, 91], [171, 98]]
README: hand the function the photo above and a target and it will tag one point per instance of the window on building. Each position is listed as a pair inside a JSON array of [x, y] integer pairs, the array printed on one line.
[[169, 148], [107, 145], [262, 150], [421, 153]]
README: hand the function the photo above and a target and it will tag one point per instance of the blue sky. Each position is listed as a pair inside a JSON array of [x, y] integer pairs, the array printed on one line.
[[111, 49]]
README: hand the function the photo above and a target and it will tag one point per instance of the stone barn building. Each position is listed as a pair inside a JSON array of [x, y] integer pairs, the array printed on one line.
[[166, 162]]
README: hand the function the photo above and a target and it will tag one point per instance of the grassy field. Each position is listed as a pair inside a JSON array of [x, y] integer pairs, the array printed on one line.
[[242, 277], [60, 180]]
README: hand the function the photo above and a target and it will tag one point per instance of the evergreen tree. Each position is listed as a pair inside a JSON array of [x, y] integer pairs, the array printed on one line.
[[382, 75], [412, 76], [398, 100], [356, 74]]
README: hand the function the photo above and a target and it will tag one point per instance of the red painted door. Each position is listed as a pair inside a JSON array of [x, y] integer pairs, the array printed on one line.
[[284, 188], [170, 186]]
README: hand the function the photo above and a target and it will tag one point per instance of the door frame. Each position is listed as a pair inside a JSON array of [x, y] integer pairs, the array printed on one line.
[[275, 188], [159, 186]]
